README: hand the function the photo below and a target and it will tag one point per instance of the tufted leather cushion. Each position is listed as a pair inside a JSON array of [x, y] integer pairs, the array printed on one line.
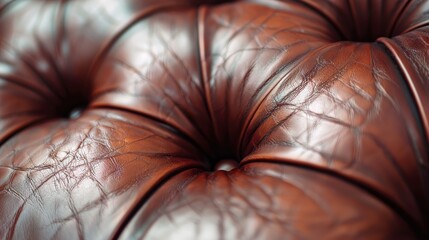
[[194, 119]]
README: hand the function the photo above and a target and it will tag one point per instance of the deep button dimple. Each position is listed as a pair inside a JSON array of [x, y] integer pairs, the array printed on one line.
[[72, 109], [221, 157], [75, 112], [364, 21], [226, 164]]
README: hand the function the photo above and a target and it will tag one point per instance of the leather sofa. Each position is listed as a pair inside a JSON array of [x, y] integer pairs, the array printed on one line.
[[204, 119]]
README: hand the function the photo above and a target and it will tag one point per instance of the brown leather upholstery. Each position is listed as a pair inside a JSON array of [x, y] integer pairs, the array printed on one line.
[[199, 119]]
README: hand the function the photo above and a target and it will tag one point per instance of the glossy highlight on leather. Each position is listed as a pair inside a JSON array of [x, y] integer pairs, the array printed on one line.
[[204, 119]]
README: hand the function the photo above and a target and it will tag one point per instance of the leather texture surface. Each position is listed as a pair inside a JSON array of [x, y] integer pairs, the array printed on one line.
[[204, 119]]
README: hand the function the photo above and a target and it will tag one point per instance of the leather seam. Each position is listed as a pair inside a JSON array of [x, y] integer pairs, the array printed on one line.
[[23, 128], [408, 219], [107, 45], [407, 80], [147, 196], [184, 185], [176, 131]]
